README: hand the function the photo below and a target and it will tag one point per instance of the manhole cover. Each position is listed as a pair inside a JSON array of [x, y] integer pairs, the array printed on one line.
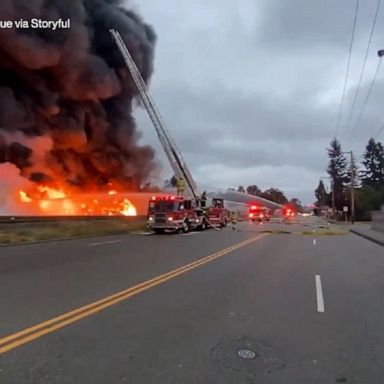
[[246, 354]]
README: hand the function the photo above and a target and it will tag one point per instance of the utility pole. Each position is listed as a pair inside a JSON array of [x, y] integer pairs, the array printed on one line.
[[333, 198], [352, 188]]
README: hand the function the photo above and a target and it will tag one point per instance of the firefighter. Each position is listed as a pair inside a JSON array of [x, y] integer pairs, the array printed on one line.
[[203, 199], [180, 185], [233, 220]]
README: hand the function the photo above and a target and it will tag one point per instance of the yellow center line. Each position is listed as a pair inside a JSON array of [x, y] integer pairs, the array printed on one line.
[[29, 334]]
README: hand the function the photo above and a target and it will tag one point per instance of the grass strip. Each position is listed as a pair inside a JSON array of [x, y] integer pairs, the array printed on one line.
[[66, 230]]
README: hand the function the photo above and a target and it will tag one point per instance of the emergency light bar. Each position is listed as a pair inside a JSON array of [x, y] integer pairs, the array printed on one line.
[[163, 198]]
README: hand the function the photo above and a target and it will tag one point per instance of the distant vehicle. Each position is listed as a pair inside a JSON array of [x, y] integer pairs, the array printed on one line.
[[289, 211], [258, 213]]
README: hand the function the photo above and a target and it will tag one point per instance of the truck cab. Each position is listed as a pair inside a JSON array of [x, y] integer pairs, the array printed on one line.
[[175, 213]]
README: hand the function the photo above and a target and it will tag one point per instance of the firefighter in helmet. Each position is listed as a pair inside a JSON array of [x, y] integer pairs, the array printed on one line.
[[233, 219], [180, 185], [203, 199]]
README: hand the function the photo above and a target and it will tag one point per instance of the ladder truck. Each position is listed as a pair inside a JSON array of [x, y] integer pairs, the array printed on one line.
[[180, 213]]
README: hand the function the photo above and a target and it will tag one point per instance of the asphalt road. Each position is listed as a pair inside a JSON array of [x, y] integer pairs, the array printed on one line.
[[183, 308]]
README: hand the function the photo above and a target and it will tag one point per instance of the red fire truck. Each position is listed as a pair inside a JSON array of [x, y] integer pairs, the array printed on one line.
[[258, 213], [289, 211], [182, 214], [216, 213], [176, 213]]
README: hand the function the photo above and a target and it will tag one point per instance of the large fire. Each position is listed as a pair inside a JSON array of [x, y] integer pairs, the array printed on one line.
[[22, 197], [45, 200]]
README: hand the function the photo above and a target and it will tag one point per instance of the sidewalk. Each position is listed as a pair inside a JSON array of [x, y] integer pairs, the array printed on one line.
[[366, 232]]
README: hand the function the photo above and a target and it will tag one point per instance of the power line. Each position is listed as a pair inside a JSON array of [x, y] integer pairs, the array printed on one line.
[[364, 63], [348, 67], [378, 132], [368, 95]]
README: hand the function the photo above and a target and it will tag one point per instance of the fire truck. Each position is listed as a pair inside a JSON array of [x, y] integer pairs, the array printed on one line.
[[216, 213], [258, 213], [289, 211], [185, 211], [183, 214]]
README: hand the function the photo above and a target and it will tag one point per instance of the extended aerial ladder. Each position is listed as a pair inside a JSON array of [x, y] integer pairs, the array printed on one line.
[[170, 148]]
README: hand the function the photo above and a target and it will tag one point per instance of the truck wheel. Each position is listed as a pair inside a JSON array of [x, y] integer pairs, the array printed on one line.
[[203, 225], [158, 231], [185, 227]]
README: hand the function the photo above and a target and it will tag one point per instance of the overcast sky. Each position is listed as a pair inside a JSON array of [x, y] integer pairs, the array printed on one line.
[[250, 89]]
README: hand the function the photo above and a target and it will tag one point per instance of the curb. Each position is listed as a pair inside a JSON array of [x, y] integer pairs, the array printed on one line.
[[367, 237]]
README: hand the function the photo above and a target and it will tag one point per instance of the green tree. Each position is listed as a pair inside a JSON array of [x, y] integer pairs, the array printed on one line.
[[274, 194], [337, 170], [254, 190], [373, 161], [240, 188], [322, 197], [368, 199]]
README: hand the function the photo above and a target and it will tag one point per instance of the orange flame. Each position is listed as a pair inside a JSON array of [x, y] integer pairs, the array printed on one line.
[[24, 197], [51, 192], [129, 209], [44, 200]]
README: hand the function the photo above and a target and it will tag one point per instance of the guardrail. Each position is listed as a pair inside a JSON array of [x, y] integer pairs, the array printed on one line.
[[54, 219]]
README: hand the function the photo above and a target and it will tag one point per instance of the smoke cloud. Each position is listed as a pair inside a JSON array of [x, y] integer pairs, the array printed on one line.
[[66, 96]]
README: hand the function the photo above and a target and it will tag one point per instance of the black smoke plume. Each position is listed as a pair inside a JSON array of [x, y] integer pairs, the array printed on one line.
[[66, 96]]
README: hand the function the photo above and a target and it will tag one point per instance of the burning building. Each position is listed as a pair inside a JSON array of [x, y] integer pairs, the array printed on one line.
[[66, 99]]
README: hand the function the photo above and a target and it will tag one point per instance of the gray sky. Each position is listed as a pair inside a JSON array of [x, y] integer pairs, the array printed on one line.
[[250, 89]]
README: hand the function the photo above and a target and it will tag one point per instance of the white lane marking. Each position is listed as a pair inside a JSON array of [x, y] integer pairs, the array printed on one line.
[[314, 241], [319, 294], [105, 242]]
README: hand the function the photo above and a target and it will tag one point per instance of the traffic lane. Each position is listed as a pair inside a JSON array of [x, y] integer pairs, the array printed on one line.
[[291, 226], [190, 329], [352, 272], [64, 276]]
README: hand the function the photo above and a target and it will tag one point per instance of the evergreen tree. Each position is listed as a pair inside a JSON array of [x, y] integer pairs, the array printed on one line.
[[337, 170], [373, 162], [322, 197], [379, 154]]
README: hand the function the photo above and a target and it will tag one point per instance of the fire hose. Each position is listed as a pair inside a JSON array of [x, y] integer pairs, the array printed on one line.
[[217, 228]]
